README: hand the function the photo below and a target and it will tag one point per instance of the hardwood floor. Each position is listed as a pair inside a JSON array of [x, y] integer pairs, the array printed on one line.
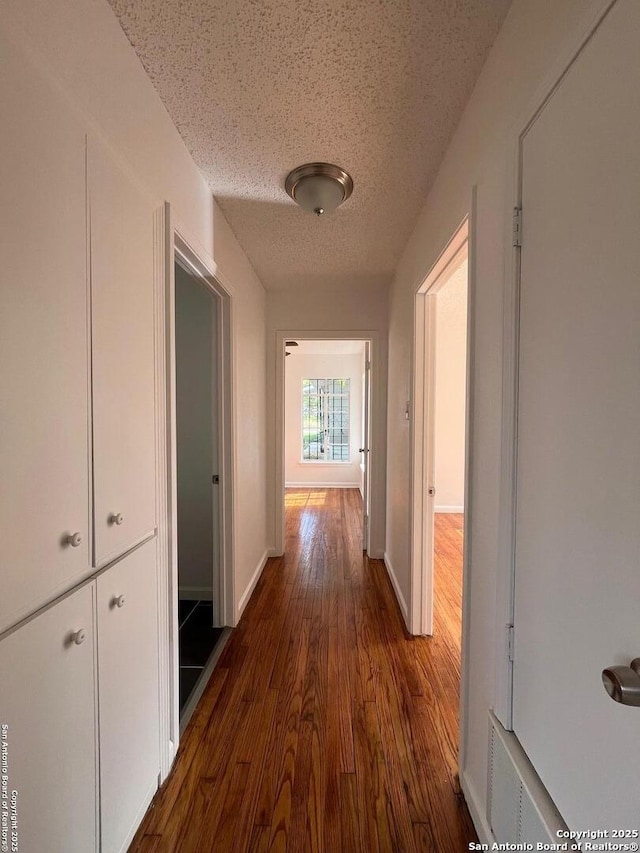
[[325, 727]]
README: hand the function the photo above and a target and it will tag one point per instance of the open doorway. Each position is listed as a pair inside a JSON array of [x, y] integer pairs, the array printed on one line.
[[326, 420], [198, 510], [446, 485], [439, 442]]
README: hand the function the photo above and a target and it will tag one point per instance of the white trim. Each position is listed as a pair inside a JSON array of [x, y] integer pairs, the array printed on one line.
[[458, 510], [246, 595], [479, 818], [421, 427], [202, 267], [195, 593], [376, 426], [170, 243], [396, 589], [469, 470], [322, 485], [505, 576], [464, 239], [167, 607]]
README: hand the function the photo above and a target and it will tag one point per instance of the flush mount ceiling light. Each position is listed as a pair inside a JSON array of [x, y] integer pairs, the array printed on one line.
[[319, 187]]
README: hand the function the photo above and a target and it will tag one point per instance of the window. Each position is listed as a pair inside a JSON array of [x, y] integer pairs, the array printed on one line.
[[325, 420]]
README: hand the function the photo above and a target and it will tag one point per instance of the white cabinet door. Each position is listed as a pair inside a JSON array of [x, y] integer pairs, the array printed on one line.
[[121, 223], [577, 582], [48, 704], [44, 457], [128, 684]]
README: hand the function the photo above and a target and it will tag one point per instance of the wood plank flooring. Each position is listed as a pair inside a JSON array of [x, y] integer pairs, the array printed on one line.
[[325, 727]]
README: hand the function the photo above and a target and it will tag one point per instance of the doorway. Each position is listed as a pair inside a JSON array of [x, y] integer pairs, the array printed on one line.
[[446, 487], [197, 430], [326, 417], [439, 441]]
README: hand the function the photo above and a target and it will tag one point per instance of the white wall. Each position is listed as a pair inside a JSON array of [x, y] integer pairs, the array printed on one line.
[[80, 44], [195, 379], [536, 39], [357, 310], [451, 368], [299, 366]]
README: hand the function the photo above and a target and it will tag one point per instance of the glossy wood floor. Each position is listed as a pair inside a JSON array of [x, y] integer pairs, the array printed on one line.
[[325, 727]]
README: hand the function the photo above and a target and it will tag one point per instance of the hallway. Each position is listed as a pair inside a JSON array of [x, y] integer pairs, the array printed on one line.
[[324, 726]]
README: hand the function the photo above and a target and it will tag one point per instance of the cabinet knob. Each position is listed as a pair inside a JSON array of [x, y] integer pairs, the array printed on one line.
[[78, 637], [116, 518], [118, 601], [73, 539]]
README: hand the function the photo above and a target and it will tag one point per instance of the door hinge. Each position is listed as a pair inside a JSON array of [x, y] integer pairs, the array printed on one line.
[[517, 226], [510, 643], [215, 479], [367, 365]]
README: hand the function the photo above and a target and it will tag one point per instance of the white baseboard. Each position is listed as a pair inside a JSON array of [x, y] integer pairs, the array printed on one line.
[[397, 590], [246, 595], [195, 593], [322, 485], [477, 813], [456, 509]]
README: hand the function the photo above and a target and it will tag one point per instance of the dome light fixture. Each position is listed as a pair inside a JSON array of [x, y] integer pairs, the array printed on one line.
[[319, 187]]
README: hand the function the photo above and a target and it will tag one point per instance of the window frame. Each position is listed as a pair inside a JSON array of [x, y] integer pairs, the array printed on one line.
[[325, 417]]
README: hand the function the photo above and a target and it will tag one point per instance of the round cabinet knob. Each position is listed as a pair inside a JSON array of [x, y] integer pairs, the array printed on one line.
[[118, 601], [116, 518], [74, 539], [78, 637]]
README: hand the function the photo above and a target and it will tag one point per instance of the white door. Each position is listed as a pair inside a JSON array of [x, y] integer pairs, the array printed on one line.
[[44, 455], [48, 704], [128, 684], [121, 223], [577, 586]]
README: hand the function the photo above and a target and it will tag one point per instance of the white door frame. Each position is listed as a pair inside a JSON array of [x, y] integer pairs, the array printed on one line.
[[216, 427], [422, 428], [171, 244], [376, 500], [366, 426], [465, 235]]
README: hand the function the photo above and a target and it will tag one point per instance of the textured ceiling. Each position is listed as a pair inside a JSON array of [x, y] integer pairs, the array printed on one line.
[[257, 87]]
